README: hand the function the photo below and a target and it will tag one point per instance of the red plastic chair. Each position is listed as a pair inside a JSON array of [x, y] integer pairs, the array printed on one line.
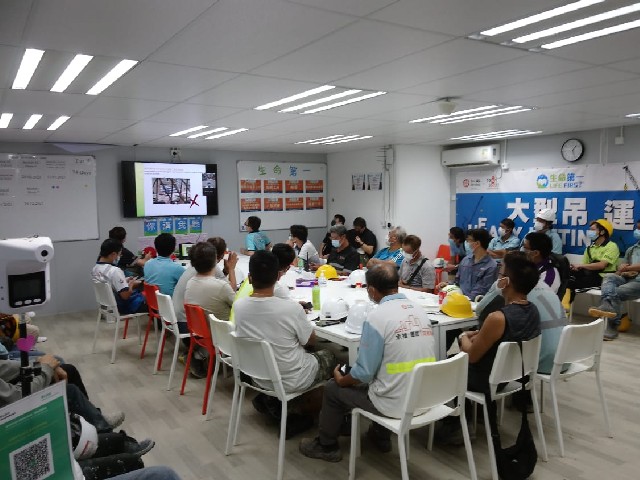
[[443, 252], [150, 295], [200, 330]]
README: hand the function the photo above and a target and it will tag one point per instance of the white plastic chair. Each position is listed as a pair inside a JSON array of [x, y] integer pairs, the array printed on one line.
[[255, 358], [431, 386], [169, 325], [507, 368], [108, 308], [580, 347], [221, 333]]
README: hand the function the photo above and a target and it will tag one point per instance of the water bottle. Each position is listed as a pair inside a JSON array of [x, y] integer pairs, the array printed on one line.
[[315, 297], [322, 280]]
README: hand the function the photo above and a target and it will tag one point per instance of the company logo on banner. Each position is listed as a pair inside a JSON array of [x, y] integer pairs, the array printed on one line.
[[578, 195]]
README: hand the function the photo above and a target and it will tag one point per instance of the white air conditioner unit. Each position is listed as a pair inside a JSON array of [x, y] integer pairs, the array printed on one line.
[[487, 155]]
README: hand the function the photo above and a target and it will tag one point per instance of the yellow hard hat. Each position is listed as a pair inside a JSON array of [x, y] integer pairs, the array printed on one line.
[[328, 270], [604, 223], [457, 305]]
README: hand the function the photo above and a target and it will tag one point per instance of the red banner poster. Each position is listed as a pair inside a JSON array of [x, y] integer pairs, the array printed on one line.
[[294, 186], [250, 204], [272, 186], [294, 203], [314, 186], [273, 204], [250, 186], [315, 203]]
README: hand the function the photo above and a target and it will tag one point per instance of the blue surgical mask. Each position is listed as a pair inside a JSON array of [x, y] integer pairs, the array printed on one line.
[[335, 243], [116, 261], [592, 234], [501, 232], [636, 234], [467, 248], [452, 246]]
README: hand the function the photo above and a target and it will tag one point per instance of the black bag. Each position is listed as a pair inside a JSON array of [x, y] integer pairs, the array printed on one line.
[[564, 269], [518, 461]]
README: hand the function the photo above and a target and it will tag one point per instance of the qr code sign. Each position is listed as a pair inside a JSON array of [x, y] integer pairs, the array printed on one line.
[[32, 461]]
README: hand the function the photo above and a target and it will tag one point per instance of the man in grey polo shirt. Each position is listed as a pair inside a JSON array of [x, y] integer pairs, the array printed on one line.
[[416, 272]]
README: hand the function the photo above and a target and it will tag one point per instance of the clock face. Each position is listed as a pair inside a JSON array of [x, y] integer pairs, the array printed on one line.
[[572, 150]]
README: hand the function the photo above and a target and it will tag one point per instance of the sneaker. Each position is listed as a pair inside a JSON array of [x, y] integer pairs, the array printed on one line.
[[114, 419], [311, 447], [611, 333], [381, 442], [601, 312], [139, 448]]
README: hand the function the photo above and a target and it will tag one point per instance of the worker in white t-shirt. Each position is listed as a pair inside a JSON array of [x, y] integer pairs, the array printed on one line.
[[299, 240]]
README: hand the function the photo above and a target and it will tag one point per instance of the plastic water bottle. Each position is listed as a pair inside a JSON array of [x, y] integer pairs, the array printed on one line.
[[322, 280], [315, 297]]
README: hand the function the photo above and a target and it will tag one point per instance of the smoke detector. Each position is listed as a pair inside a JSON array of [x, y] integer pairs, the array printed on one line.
[[447, 105]]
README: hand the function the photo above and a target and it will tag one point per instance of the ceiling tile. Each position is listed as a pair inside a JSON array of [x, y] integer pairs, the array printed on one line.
[[25, 101], [13, 20], [629, 65], [574, 96], [189, 114], [9, 135], [254, 119], [124, 108], [358, 8], [238, 35], [604, 50], [10, 58], [357, 47]]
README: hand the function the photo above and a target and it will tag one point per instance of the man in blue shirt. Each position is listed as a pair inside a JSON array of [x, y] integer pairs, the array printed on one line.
[[478, 271], [505, 241], [255, 239], [391, 254], [162, 271]]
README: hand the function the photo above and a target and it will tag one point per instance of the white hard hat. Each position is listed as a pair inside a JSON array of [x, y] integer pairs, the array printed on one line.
[[451, 289], [547, 214], [358, 276], [334, 309], [357, 316]]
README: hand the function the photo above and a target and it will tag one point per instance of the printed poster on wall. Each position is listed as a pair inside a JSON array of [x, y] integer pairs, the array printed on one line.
[[181, 225], [151, 227], [166, 224], [282, 194], [374, 181], [578, 195], [358, 181]]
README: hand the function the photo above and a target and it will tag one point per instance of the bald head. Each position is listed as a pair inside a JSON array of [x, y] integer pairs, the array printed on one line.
[[384, 278]]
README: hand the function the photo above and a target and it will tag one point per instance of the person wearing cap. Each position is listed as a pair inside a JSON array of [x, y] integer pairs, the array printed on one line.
[[600, 257], [619, 287], [416, 271], [505, 241], [544, 223], [392, 253]]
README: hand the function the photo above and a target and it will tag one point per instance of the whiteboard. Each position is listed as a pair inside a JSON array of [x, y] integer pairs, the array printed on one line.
[[48, 195], [282, 194]]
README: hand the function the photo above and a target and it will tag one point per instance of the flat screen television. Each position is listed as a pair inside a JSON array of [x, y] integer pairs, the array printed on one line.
[[166, 189]]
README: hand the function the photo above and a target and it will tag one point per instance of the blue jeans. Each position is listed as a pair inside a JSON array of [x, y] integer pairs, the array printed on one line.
[[616, 289], [149, 473]]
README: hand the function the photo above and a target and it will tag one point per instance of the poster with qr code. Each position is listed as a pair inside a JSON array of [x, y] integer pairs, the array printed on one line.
[[35, 437]]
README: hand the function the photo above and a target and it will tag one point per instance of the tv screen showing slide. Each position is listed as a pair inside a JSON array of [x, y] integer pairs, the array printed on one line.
[[165, 189]]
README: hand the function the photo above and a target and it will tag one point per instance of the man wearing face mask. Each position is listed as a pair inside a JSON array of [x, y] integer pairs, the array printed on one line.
[[343, 256], [392, 253], [325, 246], [416, 272], [600, 257], [361, 237], [620, 287], [457, 249], [544, 224], [505, 241]]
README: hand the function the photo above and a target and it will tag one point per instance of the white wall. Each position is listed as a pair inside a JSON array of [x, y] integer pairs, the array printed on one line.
[[417, 183], [70, 268]]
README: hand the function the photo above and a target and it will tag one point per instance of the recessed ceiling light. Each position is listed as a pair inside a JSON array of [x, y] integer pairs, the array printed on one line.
[[333, 139], [230, 132], [208, 132], [591, 35], [320, 100], [318, 139], [114, 74], [58, 122], [293, 98], [455, 114], [71, 72], [364, 137], [5, 118], [339, 139], [539, 17], [578, 23], [30, 61], [33, 119], [489, 114], [631, 115], [188, 130], [345, 102], [497, 135]]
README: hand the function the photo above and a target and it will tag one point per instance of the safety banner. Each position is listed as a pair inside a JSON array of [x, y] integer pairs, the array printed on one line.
[[577, 194]]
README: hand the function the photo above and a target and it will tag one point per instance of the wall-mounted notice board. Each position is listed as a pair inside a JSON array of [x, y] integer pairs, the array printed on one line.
[[48, 195]]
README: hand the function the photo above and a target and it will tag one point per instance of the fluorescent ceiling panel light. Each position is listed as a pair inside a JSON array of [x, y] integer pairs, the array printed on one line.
[[33, 119], [571, 7], [578, 23], [591, 35], [631, 115], [498, 134], [58, 122], [488, 115], [345, 102], [71, 72], [188, 130], [114, 74], [461, 112], [230, 132], [293, 98], [342, 137], [475, 114], [320, 100], [208, 132], [5, 118], [318, 139], [30, 61], [364, 137]]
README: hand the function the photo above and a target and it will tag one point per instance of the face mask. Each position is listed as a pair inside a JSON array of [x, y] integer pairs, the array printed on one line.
[[501, 289], [467, 248], [388, 241], [407, 255], [290, 238], [501, 232], [592, 234], [636, 234], [335, 243], [538, 226], [452, 245], [117, 260]]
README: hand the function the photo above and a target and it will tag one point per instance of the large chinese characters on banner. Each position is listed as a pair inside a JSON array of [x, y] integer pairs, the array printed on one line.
[[578, 195]]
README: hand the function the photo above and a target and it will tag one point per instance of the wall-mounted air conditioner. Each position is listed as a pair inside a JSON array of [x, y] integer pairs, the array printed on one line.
[[487, 155]]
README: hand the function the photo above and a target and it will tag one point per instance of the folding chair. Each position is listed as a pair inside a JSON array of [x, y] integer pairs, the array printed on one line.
[[580, 347], [169, 325], [507, 368], [431, 386], [108, 308], [221, 331], [150, 296]]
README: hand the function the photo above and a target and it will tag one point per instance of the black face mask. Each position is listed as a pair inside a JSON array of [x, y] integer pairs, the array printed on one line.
[[333, 222]]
